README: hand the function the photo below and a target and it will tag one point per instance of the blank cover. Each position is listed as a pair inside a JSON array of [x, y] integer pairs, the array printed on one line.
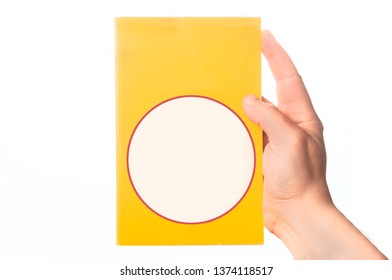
[[188, 159]]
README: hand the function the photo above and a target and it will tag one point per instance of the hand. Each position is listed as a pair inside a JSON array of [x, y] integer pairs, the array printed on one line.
[[297, 204]]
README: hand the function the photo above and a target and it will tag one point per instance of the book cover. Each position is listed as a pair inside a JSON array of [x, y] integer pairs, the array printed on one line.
[[188, 159]]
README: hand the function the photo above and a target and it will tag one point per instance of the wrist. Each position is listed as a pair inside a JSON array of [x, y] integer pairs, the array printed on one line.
[[313, 228], [303, 226]]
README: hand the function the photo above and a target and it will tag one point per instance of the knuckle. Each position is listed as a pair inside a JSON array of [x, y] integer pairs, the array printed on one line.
[[270, 108], [318, 126]]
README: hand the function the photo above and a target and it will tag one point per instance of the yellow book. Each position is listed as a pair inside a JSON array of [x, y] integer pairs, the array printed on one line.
[[188, 159]]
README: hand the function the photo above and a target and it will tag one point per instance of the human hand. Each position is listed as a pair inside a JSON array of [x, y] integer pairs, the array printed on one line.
[[294, 159], [296, 194]]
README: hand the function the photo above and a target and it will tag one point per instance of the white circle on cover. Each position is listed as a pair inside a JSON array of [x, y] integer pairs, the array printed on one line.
[[191, 159]]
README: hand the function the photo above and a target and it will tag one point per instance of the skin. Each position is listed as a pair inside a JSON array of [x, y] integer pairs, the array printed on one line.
[[297, 204]]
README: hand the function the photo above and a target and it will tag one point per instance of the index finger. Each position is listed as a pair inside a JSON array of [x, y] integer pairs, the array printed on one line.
[[279, 61], [293, 98]]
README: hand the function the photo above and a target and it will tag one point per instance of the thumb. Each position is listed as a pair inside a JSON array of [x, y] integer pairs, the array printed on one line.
[[269, 117]]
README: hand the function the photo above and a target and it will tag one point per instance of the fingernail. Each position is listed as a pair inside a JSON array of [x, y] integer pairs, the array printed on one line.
[[250, 100]]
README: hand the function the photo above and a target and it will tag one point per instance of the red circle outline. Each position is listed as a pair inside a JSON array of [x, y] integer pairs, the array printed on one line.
[[195, 96]]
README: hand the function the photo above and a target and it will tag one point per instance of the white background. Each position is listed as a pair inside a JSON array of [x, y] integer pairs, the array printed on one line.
[[57, 130]]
